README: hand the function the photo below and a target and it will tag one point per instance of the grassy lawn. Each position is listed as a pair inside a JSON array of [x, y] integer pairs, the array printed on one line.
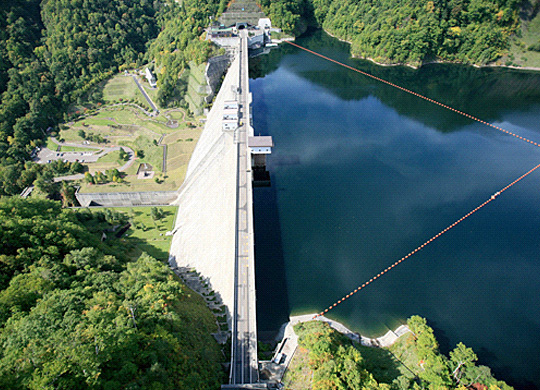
[[51, 145], [145, 234], [178, 115], [77, 149], [180, 147], [126, 125], [122, 87], [298, 375]]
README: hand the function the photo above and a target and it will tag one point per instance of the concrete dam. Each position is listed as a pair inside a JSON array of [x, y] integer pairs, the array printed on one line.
[[214, 226]]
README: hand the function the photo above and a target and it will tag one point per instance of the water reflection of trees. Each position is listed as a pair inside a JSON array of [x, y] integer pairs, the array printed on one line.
[[487, 93]]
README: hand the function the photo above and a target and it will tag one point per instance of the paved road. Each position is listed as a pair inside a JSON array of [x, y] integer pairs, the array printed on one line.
[[245, 362], [150, 102]]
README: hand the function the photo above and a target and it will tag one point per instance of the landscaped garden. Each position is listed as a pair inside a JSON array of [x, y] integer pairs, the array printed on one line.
[[118, 120]]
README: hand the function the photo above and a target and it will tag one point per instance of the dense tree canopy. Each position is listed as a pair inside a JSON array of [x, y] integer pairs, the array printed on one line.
[[413, 363], [74, 317], [410, 31]]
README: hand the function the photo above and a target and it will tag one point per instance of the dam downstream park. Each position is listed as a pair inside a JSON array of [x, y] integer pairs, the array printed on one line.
[[362, 174]]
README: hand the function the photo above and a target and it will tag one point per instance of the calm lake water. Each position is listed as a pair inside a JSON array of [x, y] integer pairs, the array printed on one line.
[[363, 173]]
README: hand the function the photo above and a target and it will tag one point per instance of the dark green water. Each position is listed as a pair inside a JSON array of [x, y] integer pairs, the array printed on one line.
[[363, 173]]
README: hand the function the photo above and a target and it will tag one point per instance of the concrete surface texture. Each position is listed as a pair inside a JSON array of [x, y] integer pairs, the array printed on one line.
[[204, 234], [127, 199], [214, 70]]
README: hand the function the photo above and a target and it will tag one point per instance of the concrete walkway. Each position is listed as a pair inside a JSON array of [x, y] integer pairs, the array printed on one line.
[[150, 102]]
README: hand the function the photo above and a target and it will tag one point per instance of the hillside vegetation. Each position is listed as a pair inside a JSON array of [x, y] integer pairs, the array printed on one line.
[[409, 31], [326, 359], [75, 313], [54, 52]]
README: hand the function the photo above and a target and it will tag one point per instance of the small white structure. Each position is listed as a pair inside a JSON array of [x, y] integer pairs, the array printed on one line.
[[150, 77], [260, 144], [264, 24], [229, 125], [259, 147], [230, 114], [230, 105]]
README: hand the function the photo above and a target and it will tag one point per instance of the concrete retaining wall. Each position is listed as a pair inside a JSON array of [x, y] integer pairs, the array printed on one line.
[[214, 70], [127, 199]]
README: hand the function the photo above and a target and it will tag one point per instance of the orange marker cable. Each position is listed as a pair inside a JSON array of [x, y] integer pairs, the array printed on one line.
[[491, 199], [417, 95]]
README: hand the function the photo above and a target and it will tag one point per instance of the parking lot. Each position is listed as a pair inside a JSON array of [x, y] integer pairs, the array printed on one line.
[[46, 156]]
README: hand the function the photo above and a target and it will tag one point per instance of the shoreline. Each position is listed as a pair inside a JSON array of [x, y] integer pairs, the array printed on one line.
[[415, 67], [288, 343]]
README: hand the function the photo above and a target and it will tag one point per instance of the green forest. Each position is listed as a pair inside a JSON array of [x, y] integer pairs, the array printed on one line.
[[53, 52], [75, 313], [408, 31], [329, 360]]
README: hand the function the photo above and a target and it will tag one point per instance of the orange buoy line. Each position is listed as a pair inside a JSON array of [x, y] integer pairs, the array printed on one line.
[[417, 95], [491, 199]]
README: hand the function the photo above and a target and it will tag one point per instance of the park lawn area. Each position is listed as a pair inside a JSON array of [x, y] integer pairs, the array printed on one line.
[[118, 117], [51, 145], [182, 135], [178, 115], [146, 234], [132, 184], [149, 235], [153, 154], [122, 87], [67, 148], [107, 161], [179, 153], [127, 126]]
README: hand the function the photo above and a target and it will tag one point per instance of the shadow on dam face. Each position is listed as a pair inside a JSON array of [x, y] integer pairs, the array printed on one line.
[[271, 283]]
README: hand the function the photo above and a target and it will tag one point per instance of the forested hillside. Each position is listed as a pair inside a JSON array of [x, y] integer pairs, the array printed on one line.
[[76, 314], [182, 39], [409, 31], [53, 52], [326, 359]]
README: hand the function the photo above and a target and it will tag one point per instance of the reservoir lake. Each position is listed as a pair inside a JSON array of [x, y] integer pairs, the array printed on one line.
[[363, 173]]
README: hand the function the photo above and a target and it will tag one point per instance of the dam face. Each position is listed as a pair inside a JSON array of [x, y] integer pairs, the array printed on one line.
[[204, 235]]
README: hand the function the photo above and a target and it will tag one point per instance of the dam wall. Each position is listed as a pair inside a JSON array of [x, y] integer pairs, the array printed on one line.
[[126, 199], [204, 234]]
